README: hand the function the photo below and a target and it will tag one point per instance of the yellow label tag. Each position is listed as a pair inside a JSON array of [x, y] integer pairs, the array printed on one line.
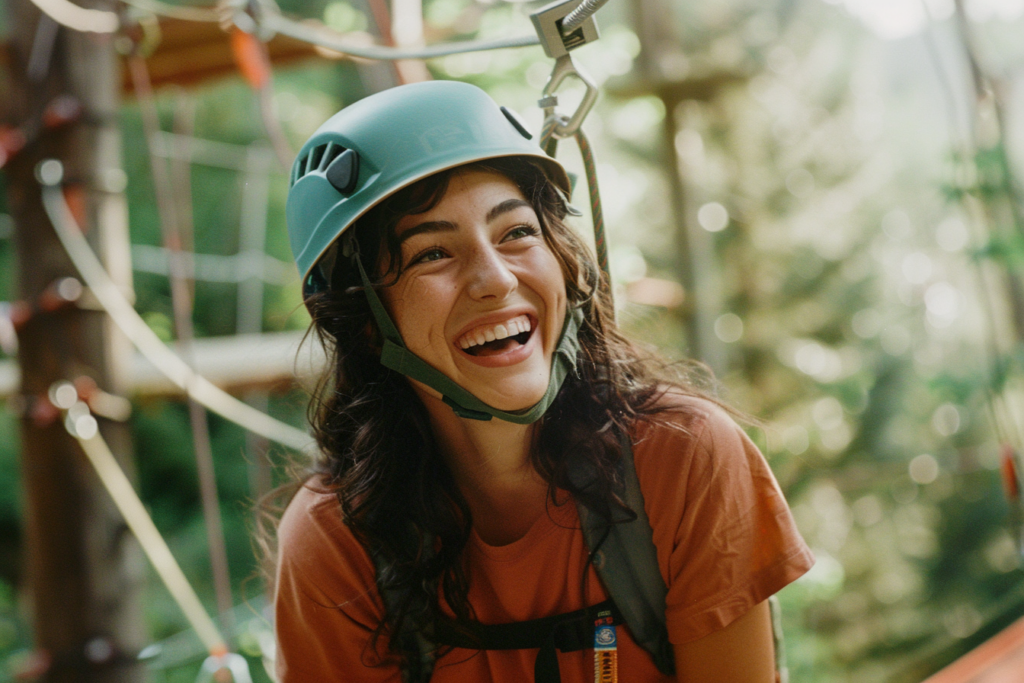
[[606, 656], [606, 666]]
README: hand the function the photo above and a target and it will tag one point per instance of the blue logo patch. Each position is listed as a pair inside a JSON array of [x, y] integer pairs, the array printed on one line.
[[604, 638]]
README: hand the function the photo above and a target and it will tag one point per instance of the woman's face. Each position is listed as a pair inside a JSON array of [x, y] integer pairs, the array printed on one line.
[[481, 296]]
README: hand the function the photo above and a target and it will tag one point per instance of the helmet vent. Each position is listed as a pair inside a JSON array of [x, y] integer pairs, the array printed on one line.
[[316, 157], [300, 169], [319, 159], [332, 153]]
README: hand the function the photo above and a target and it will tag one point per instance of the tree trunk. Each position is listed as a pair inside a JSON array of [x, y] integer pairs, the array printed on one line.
[[84, 569]]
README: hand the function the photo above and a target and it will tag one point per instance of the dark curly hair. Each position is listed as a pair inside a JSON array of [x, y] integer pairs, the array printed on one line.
[[377, 452]]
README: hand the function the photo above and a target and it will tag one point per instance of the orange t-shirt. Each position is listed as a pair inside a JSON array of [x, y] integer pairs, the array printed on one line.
[[724, 534]]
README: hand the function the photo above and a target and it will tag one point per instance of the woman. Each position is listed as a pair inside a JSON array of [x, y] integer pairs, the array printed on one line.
[[477, 389]]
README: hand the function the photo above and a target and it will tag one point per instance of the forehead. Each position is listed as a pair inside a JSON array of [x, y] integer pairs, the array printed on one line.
[[467, 192]]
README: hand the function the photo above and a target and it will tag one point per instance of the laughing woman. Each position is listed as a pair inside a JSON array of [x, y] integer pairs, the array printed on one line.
[[479, 403]]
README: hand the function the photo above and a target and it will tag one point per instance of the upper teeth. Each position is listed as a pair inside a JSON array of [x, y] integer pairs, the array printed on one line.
[[509, 328]]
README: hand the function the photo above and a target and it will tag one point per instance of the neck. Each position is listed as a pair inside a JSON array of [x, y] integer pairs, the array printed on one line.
[[490, 461]]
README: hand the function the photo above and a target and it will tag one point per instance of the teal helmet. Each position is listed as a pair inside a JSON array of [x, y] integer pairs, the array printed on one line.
[[375, 147], [387, 141]]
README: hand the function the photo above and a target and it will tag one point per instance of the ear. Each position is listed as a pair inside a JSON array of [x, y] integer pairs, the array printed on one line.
[[373, 337]]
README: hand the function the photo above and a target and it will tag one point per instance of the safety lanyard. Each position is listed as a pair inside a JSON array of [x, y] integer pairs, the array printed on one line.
[[606, 657], [570, 632]]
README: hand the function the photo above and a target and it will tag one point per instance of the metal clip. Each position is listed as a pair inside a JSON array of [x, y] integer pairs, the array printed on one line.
[[548, 22], [566, 126], [216, 666]]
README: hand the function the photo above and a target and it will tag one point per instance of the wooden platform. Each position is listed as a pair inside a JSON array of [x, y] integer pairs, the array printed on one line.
[[998, 660]]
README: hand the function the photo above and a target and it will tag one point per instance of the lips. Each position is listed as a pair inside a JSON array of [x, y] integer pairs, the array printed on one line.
[[500, 341]]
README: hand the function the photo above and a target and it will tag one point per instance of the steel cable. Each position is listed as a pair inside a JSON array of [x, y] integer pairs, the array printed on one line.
[[318, 34], [575, 18]]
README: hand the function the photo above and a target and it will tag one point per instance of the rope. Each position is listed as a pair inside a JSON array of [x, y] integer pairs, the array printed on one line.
[[590, 168], [85, 431], [78, 18], [132, 325], [174, 222], [549, 144], [575, 18]]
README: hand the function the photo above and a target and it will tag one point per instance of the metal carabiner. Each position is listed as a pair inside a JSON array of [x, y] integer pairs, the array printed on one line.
[[215, 666], [566, 126]]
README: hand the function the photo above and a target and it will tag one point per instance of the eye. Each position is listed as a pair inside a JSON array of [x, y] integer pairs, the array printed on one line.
[[427, 255], [520, 231]]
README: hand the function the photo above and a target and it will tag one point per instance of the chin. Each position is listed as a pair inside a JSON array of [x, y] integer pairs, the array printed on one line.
[[512, 401]]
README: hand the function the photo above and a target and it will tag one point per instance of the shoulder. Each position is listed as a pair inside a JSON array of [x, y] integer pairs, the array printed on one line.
[[326, 605], [314, 542], [692, 450], [313, 514], [725, 537], [687, 429]]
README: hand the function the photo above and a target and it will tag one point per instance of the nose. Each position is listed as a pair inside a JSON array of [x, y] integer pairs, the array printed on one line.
[[489, 276]]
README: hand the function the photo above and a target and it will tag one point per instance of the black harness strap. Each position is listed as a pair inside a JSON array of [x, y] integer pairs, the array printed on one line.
[[569, 632]]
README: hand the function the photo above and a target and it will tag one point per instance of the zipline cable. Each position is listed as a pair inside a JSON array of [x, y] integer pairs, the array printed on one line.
[[50, 173], [163, 9], [318, 34], [314, 32], [575, 18]]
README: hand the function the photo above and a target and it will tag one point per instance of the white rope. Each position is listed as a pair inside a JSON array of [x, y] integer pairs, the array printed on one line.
[[78, 18], [203, 391], [84, 429]]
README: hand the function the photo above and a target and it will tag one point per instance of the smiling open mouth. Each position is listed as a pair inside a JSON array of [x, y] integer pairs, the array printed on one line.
[[493, 348], [492, 340]]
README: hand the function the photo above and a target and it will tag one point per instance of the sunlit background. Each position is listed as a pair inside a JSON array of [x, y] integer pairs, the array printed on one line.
[[820, 199]]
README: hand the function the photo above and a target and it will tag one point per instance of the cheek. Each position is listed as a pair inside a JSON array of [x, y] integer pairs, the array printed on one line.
[[420, 311], [551, 280]]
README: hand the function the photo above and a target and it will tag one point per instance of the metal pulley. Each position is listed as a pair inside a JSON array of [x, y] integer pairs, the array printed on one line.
[[548, 22]]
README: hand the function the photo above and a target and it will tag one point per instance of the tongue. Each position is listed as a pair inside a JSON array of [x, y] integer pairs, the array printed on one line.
[[495, 347]]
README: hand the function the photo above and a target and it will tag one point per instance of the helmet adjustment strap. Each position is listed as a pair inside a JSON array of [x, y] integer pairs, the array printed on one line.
[[396, 356]]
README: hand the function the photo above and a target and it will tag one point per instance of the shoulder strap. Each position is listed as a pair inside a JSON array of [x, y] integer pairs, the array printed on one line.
[[627, 563]]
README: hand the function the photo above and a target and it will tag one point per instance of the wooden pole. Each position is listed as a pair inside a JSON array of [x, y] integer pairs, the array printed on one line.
[[696, 261], [84, 569]]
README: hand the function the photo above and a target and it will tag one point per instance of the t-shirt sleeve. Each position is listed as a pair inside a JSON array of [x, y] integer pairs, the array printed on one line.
[[726, 539], [326, 604]]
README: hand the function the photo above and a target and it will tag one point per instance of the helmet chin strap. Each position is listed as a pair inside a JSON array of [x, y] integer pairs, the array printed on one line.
[[397, 357]]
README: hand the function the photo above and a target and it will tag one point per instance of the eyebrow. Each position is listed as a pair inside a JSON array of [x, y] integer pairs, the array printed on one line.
[[505, 207], [428, 226], [447, 226]]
